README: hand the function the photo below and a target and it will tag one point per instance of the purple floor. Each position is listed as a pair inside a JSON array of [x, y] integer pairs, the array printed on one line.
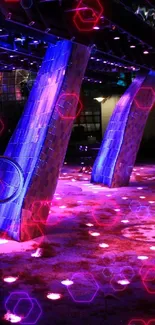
[[96, 262]]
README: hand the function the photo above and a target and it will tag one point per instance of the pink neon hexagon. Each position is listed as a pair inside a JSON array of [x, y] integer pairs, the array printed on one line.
[[1, 126], [149, 277], [107, 214], [69, 96], [127, 272], [137, 321], [96, 9], [108, 259], [72, 289], [151, 94], [108, 272]]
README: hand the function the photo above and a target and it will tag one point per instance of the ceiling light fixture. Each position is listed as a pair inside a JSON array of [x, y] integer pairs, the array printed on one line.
[[116, 38], [99, 99], [132, 46], [145, 52]]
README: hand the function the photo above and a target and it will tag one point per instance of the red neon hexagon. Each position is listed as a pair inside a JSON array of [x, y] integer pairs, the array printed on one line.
[[151, 95], [147, 264], [107, 214], [148, 278], [40, 209], [65, 102], [137, 321], [151, 322], [95, 8], [27, 229], [1, 126]]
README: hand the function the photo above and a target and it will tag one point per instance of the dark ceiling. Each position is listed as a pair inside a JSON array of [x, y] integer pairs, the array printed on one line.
[[121, 33]]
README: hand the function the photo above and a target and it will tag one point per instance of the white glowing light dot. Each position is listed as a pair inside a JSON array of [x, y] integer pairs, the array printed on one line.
[[73, 180], [64, 173], [3, 241], [58, 198], [142, 197], [54, 296], [142, 258], [152, 248], [108, 195], [125, 221], [151, 202], [86, 179], [117, 210], [10, 279], [103, 245], [12, 318], [89, 224], [38, 253], [79, 174], [139, 188], [138, 174], [124, 197], [94, 234], [67, 282], [123, 282], [79, 201], [62, 207]]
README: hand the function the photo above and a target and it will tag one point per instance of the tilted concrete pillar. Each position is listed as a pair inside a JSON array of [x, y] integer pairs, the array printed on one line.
[[117, 155], [40, 140]]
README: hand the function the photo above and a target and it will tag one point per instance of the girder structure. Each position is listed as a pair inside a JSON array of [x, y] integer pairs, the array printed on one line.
[[115, 21]]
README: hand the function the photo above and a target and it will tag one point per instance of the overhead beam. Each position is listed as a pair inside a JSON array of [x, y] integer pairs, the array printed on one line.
[[27, 30], [138, 28]]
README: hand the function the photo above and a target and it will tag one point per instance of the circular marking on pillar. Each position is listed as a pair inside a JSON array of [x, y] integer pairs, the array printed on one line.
[[21, 180], [140, 232]]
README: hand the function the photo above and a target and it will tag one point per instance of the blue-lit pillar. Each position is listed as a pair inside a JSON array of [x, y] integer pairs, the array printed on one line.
[[117, 155], [40, 140]]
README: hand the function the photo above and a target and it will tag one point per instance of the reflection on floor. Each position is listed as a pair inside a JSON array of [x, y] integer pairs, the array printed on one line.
[[96, 262]]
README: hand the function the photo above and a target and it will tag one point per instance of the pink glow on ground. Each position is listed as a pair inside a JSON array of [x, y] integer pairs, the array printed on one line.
[[67, 282], [54, 296], [12, 318], [10, 279]]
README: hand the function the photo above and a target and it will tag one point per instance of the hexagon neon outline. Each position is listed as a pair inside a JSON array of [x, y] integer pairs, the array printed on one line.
[[94, 295], [69, 117]]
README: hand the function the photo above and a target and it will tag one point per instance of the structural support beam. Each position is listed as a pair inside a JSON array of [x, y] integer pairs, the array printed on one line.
[[117, 155], [40, 140]]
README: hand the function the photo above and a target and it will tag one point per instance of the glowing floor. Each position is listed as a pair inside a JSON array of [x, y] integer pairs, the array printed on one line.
[[98, 263]]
